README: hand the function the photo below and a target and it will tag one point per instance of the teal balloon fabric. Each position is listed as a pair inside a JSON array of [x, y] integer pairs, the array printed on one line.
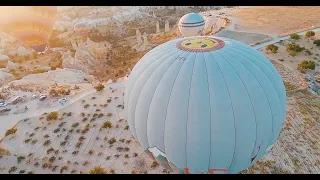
[[205, 104]]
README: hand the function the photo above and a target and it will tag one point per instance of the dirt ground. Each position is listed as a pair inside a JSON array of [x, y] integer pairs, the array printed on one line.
[[276, 19], [247, 38]]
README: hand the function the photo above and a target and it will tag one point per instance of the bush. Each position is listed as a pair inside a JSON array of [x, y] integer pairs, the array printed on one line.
[[12, 169], [304, 65], [86, 106], [52, 116], [272, 48], [20, 158], [63, 168], [294, 47], [317, 42], [107, 124], [75, 125], [85, 129], [11, 131], [98, 170], [154, 164], [53, 92], [46, 143], [99, 87], [295, 36], [310, 33], [112, 140], [112, 171]]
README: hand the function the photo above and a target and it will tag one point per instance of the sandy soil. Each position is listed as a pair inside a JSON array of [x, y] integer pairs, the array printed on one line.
[[123, 157], [275, 19]]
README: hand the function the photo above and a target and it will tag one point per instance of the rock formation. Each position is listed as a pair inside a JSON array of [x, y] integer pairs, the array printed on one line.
[[166, 26], [22, 51], [3, 61], [157, 27], [138, 34], [145, 39]]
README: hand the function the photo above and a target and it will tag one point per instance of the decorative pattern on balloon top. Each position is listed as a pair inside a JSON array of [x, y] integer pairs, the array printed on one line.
[[200, 44]]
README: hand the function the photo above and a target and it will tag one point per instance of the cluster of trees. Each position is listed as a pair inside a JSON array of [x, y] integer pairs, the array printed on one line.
[[305, 65], [272, 48]]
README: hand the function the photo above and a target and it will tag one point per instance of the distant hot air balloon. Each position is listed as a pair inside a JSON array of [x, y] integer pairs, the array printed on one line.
[[30, 24], [205, 105], [191, 24], [82, 29]]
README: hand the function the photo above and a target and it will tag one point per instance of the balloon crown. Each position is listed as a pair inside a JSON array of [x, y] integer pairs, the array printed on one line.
[[200, 44]]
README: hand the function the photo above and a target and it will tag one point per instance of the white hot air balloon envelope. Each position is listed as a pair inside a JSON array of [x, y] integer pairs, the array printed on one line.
[[191, 24], [205, 105]]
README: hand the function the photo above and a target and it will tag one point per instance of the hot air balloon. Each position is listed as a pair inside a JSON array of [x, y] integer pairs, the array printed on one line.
[[82, 29], [30, 24], [205, 104], [191, 24]]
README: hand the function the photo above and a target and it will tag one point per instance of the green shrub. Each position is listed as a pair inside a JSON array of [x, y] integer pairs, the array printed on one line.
[[272, 48], [310, 33], [304, 65], [52, 116], [295, 36]]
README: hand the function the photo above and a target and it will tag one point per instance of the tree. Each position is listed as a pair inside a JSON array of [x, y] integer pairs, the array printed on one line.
[[295, 36], [304, 65], [294, 47], [310, 33], [99, 87], [272, 48]]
